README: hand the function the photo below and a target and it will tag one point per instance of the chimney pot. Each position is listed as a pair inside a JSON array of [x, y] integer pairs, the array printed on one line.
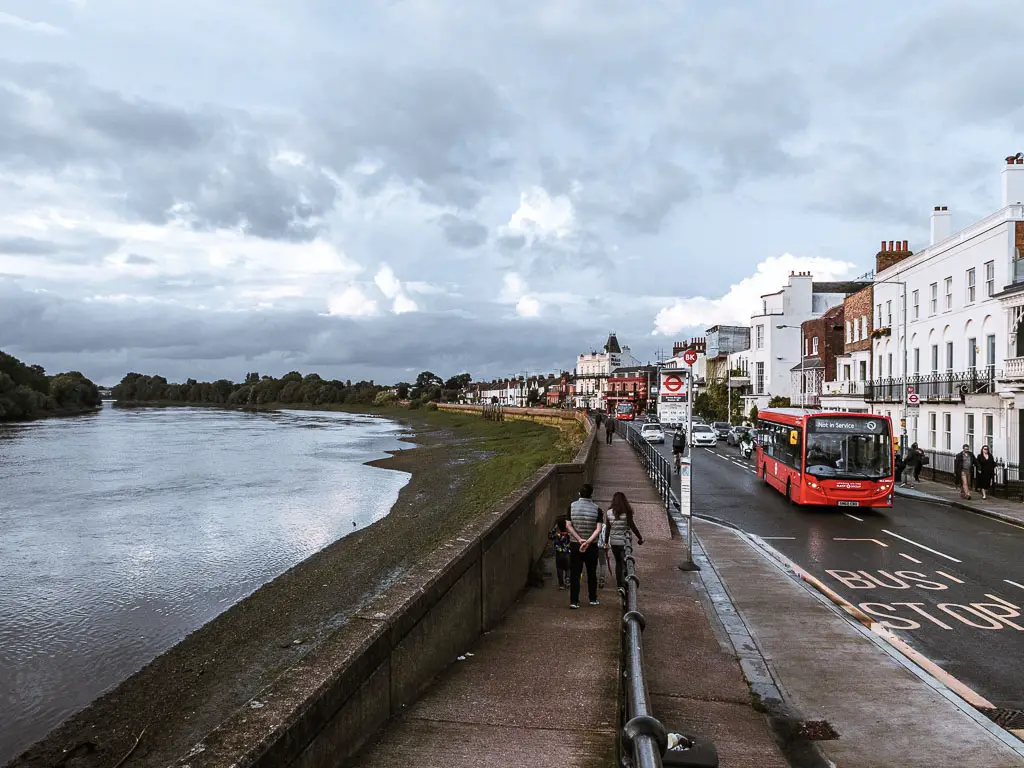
[[882, 246], [906, 245], [890, 246], [937, 208]]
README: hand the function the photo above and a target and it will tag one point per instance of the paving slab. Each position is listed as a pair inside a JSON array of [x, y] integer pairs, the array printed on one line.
[[831, 669]]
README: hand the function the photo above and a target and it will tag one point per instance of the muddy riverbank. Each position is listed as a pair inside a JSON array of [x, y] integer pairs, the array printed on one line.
[[461, 465]]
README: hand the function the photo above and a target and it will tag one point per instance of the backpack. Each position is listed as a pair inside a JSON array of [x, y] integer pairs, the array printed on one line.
[[678, 441]]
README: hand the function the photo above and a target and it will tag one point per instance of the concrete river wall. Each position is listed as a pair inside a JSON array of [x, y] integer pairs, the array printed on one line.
[[320, 711]]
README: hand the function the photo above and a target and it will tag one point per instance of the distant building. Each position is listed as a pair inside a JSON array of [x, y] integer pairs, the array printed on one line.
[[853, 368], [823, 342], [593, 371]]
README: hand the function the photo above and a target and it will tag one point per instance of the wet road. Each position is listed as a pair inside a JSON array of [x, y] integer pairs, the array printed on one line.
[[949, 582]]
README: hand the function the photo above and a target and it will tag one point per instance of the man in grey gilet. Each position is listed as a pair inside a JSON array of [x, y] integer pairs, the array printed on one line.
[[585, 522]]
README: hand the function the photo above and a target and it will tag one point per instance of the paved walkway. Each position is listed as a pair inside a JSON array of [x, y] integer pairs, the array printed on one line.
[[946, 493]]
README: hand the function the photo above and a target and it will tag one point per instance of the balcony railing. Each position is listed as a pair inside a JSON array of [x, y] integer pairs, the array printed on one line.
[[852, 388], [946, 387], [1013, 368], [1018, 271]]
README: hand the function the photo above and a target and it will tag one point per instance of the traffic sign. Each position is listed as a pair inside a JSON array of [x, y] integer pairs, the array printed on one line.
[[690, 356], [913, 399], [673, 383]]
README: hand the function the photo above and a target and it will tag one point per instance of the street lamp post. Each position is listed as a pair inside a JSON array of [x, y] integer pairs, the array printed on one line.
[[803, 375]]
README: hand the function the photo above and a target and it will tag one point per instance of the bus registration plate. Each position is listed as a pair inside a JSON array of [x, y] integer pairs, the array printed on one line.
[[849, 503]]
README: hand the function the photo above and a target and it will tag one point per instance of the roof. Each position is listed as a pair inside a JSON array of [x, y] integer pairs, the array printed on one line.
[[612, 345], [845, 286], [809, 364]]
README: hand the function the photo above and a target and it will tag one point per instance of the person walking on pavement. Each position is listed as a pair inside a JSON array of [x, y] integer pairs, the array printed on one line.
[[585, 523], [598, 415], [609, 430], [963, 470], [986, 472], [560, 538], [911, 467], [620, 520]]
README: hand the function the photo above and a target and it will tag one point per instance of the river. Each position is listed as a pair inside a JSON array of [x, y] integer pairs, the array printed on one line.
[[124, 531]]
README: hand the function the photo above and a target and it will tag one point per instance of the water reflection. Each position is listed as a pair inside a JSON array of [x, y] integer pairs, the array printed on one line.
[[125, 531]]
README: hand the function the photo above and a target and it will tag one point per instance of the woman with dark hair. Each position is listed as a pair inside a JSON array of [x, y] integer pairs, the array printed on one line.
[[986, 471], [620, 520]]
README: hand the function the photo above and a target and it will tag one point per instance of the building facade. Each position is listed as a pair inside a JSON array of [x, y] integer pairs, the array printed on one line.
[[964, 298], [823, 343], [853, 367], [592, 373]]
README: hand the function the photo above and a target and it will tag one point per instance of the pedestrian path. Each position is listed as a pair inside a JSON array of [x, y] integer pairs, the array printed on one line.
[[945, 493]]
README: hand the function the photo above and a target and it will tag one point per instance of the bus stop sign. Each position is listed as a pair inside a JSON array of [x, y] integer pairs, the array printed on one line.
[[690, 356]]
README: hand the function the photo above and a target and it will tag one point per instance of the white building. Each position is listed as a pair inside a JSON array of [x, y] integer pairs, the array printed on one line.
[[775, 334], [592, 372], [964, 352]]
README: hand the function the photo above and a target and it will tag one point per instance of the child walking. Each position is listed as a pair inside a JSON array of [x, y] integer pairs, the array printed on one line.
[[559, 536]]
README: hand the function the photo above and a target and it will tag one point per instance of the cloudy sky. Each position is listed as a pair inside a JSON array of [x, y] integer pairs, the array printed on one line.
[[368, 189]]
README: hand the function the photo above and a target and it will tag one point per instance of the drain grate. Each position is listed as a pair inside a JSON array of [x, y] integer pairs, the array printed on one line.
[[1011, 719], [817, 730]]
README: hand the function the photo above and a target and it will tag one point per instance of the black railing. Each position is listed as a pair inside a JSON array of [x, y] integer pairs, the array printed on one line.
[[946, 387], [659, 469]]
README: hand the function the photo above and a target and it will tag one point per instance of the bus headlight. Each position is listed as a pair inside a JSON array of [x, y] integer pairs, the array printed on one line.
[[812, 484]]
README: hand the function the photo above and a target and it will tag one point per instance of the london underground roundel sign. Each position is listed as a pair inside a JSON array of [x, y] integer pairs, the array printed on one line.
[[673, 383], [690, 356]]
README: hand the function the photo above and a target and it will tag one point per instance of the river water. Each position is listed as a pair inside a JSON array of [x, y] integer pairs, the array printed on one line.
[[124, 531]]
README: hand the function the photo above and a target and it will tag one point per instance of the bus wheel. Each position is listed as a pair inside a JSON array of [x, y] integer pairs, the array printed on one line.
[[789, 496]]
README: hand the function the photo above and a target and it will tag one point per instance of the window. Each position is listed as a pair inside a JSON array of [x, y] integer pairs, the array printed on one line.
[[947, 430], [879, 366], [990, 353], [759, 336], [949, 294], [849, 331], [971, 290], [917, 361], [814, 346], [990, 278], [933, 305], [969, 430], [935, 358], [807, 347], [863, 370], [863, 326], [914, 425], [949, 355], [987, 422], [917, 304], [879, 322], [888, 313], [759, 378], [931, 430], [888, 362], [846, 372], [972, 354]]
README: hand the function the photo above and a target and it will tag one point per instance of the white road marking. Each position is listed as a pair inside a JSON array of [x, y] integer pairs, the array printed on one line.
[[922, 546], [780, 538], [879, 543], [950, 577], [1020, 586], [858, 519], [911, 559]]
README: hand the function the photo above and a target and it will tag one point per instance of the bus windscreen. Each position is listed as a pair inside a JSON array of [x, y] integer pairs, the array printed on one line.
[[847, 448]]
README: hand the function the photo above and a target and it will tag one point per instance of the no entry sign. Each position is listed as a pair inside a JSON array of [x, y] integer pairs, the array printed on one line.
[[690, 356]]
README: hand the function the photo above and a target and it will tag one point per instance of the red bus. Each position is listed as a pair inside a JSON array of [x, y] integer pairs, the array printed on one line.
[[826, 458], [624, 410]]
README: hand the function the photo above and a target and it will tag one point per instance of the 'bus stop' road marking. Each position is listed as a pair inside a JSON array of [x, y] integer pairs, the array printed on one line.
[[922, 546]]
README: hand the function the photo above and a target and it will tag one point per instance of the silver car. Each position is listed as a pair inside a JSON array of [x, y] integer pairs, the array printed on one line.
[[652, 433]]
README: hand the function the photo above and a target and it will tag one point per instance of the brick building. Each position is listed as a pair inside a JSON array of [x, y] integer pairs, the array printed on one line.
[[823, 342]]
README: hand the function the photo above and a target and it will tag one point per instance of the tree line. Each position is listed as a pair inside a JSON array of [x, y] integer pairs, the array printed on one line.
[[291, 389], [26, 392]]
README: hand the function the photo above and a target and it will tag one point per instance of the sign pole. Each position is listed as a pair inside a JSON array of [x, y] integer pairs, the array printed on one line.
[[686, 466]]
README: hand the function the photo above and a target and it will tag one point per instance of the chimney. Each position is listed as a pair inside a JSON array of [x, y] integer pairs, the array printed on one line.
[[891, 253], [942, 224], [1013, 180]]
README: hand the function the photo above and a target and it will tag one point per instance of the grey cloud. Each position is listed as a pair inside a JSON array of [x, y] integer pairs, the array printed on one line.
[[137, 259], [211, 169], [462, 233], [26, 246], [511, 242]]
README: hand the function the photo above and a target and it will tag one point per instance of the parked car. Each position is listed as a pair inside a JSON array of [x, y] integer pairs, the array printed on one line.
[[703, 435], [722, 428], [733, 438], [652, 433]]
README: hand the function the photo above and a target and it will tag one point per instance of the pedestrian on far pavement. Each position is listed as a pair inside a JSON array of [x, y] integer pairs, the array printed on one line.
[[963, 470], [620, 520], [986, 472], [911, 466], [609, 430], [597, 418], [585, 523], [560, 538]]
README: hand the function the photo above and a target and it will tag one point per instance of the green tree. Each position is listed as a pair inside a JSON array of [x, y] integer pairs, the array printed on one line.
[[779, 401], [753, 414]]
